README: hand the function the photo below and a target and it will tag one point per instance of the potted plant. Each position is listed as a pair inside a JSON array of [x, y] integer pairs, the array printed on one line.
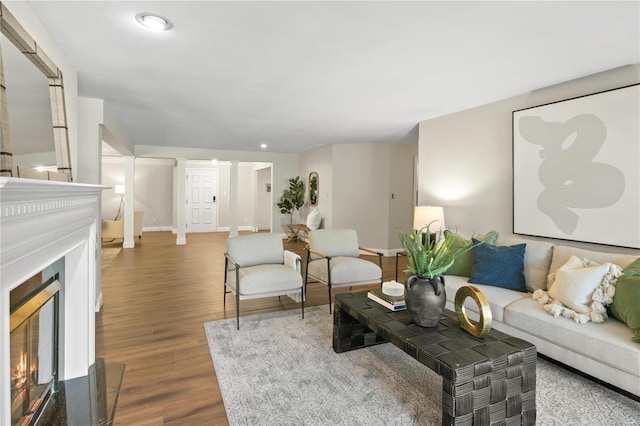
[[293, 198], [428, 259]]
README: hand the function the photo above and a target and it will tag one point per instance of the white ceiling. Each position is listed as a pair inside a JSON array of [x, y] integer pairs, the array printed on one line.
[[299, 75]]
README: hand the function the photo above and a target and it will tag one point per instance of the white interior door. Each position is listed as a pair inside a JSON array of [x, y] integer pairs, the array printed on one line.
[[202, 193]]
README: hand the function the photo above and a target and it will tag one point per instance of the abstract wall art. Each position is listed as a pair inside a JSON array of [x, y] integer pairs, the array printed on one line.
[[576, 169]]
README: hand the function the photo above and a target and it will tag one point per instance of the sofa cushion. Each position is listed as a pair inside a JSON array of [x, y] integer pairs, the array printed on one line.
[[346, 271], [562, 253], [537, 259], [498, 298], [608, 342], [262, 279], [626, 302], [462, 264], [500, 266]]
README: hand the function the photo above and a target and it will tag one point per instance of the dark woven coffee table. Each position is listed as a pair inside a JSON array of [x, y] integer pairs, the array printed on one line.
[[485, 380]]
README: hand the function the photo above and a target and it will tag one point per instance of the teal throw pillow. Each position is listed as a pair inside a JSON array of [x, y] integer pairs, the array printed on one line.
[[626, 302], [462, 265], [499, 266]]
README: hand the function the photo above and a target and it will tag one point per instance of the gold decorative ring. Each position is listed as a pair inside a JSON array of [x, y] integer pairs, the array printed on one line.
[[484, 324]]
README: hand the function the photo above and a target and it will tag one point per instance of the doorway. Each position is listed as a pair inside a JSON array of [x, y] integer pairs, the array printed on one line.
[[202, 194]]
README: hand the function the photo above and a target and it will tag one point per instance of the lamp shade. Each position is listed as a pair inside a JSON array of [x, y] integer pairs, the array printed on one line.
[[425, 215], [119, 189]]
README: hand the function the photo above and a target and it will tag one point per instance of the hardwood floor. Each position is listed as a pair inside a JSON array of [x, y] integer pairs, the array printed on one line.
[[156, 298]]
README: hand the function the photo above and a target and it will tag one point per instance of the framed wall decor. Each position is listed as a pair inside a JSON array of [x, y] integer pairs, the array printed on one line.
[[576, 169]]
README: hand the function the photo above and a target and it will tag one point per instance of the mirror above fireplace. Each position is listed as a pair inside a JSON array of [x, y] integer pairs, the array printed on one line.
[[13, 145]]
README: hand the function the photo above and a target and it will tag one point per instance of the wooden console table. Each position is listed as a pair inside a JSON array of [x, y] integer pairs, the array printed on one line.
[[485, 380]]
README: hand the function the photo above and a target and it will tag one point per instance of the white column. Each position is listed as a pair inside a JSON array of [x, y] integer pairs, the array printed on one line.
[[89, 170], [90, 115], [181, 179], [129, 199], [233, 200]]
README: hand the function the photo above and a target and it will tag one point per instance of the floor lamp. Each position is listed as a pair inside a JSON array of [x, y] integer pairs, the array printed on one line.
[[120, 190]]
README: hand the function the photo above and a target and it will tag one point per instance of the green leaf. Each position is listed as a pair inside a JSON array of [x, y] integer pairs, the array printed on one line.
[[427, 256]]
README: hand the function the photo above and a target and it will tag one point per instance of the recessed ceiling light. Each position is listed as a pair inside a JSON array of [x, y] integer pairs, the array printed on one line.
[[153, 21], [263, 146]]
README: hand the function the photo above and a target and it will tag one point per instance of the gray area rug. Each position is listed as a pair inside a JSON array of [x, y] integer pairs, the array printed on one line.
[[108, 256], [282, 370]]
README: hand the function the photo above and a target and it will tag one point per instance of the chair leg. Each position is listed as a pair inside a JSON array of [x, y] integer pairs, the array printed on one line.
[[329, 287], [302, 289], [306, 277], [224, 286], [237, 310]]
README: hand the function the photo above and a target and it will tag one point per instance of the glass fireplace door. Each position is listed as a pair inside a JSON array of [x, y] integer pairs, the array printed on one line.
[[33, 356]]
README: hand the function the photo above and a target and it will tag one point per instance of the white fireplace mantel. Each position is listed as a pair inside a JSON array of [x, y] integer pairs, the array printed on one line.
[[41, 222]]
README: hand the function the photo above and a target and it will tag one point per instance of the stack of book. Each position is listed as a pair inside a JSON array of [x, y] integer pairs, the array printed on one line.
[[394, 303]]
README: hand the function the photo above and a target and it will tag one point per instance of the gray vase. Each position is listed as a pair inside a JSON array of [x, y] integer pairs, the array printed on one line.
[[425, 299]]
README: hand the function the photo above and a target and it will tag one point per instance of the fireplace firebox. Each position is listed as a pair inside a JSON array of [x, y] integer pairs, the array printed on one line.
[[34, 321]]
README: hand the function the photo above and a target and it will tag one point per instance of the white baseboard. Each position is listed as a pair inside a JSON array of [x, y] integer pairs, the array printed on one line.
[[240, 228], [158, 229]]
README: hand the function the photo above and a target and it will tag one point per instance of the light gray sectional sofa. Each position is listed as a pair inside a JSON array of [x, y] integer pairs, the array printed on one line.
[[603, 350]]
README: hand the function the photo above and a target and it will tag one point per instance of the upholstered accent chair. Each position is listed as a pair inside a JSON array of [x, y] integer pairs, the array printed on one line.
[[333, 259], [257, 265], [112, 229]]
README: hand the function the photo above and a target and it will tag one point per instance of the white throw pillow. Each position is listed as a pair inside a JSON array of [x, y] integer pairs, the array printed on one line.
[[574, 262], [574, 287], [313, 220]]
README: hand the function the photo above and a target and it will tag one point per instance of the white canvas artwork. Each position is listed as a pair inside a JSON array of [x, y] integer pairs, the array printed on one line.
[[576, 169]]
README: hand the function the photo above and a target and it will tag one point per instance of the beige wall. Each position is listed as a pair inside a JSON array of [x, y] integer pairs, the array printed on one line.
[[154, 191], [365, 178], [153, 194], [402, 159], [357, 183], [155, 182], [246, 201], [264, 200], [283, 167], [466, 158], [361, 191], [224, 199]]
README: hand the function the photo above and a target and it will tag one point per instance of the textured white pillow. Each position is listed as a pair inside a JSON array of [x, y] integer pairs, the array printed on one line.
[[313, 220], [574, 287], [574, 262], [562, 253]]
